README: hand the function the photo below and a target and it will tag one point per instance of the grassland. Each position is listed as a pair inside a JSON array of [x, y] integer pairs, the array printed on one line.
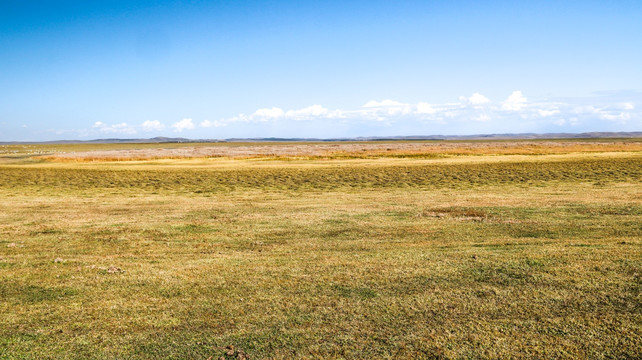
[[467, 250]]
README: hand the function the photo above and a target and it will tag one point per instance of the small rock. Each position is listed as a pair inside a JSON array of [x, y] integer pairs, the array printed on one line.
[[113, 270], [230, 350], [11, 245], [58, 260]]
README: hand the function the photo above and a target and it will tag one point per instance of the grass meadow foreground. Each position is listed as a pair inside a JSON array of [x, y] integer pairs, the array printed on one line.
[[499, 250]]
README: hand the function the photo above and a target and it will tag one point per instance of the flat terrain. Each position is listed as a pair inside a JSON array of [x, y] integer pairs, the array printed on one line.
[[520, 249], [318, 150]]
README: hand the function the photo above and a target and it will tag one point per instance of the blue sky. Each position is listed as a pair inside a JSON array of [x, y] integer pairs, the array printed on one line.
[[220, 69]]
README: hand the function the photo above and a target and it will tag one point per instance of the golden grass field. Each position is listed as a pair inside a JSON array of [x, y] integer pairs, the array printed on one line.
[[502, 249]]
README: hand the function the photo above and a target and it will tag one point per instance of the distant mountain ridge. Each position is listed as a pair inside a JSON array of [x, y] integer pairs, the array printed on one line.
[[525, 136]]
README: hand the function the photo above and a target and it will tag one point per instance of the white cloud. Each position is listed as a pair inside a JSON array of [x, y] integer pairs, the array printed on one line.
[[425, 108], [215, 123], [475, 99], [482, 118], [313, 111], [122, 128], [377, 109], [238, 118], [610, 112], [265, 114], [515, 102], [383, 103], [478, 99], [152, 125], [450, 114], [185, 124], [614, 117], [547, 113], [572, 121]]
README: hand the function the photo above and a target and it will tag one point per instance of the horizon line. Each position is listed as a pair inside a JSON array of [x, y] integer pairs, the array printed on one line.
[[491, 136]]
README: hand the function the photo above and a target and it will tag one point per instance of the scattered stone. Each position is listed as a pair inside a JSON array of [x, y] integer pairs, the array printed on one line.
[[113, 270], [230, 350], [232, 353], [11, 245], [58, 260]]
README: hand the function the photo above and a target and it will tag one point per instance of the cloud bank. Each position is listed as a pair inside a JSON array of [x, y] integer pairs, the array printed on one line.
[[471, 114]]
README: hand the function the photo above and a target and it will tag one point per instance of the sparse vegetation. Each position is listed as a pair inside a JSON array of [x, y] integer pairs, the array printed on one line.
[[489, 254]]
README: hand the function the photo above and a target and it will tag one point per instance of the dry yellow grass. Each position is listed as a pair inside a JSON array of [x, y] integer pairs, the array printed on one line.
[[350, 150], [485, 256]]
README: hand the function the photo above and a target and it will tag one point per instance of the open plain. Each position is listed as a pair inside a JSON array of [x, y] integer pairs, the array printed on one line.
[[498, 249]]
